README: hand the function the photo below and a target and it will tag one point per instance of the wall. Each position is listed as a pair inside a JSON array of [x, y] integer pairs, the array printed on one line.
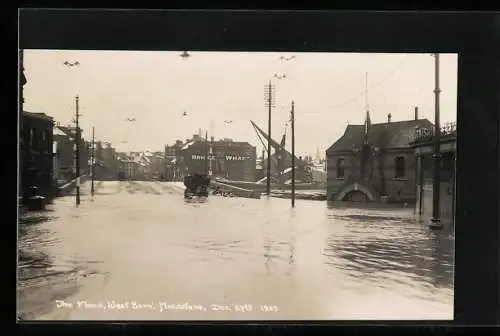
[[446, 201], [398, 189], [65, 157], [401, 189], [223, 160], [334, 184], [447, 192]]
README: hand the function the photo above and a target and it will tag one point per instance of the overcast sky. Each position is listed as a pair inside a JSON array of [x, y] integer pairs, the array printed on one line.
[[156, 88]]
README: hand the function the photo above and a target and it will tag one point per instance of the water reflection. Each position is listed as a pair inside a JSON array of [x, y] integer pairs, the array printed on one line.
[[388, 251], [279, 246], [313, 261], [43, 274]]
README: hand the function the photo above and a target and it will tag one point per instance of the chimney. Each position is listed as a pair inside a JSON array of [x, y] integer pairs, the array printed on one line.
[[212, 139], [416, 112], [389, 118]]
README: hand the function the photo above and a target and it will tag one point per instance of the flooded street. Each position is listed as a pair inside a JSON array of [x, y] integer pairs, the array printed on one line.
[[139, 251]]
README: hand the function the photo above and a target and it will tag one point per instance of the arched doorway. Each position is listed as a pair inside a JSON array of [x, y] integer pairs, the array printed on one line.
[[356, 196]]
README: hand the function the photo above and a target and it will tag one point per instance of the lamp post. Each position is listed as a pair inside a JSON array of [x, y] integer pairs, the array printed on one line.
[[436, 190]]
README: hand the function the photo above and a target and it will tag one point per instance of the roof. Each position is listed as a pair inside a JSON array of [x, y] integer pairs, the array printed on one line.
[[383, 135], [58, 131], [231, 143], [38, 115], [67, 130]]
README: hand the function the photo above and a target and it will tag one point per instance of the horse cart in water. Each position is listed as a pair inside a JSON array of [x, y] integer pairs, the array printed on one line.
[[196, 185]]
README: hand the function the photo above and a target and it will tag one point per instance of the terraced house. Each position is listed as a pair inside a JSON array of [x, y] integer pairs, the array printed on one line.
[[374, 162]]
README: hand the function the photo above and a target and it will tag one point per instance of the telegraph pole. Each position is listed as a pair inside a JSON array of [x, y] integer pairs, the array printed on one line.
[[92, 163], [436, 190], [206, 153], [292, 121], [270, 100], [77, 153]]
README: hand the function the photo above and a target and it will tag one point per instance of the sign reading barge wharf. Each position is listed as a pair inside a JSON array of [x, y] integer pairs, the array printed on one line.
[[226, 157]]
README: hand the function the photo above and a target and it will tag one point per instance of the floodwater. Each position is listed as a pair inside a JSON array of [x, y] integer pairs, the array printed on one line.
[[138, 250]]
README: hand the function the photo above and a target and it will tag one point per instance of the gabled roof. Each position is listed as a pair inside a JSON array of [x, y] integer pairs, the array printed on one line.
[[383, 135], [38, 115]]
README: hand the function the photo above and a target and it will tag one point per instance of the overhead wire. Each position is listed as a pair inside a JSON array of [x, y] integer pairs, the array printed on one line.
[[379, 83]]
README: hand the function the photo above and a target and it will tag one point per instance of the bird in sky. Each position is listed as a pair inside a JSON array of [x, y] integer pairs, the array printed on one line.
[[131, 119], [280, 76], [283, 58], [228, 121], [76, 63], [184, 113], [185, 54]]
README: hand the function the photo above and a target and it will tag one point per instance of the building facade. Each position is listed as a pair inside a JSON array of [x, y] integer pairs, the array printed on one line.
[[106, 162], [64, 156], [422, 143], [36, 155], [225, 158], [65, 143], [374, 162]]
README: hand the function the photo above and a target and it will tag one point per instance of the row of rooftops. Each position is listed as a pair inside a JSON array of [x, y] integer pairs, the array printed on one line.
[[390, 134]]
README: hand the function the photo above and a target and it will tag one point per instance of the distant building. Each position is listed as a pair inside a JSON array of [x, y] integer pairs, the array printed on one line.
[[171, 164], [230, 159], [106, 163], [374, 162], [36, 163], [422, 143], [66, 153]]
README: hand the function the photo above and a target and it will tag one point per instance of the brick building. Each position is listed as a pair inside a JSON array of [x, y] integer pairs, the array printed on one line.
[[374, 162], [36, 158], [230, 159]]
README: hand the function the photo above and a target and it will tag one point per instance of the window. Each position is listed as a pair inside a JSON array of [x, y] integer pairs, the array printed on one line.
[[340, 168], [400, 167], [31, 138], [48, 141], [44, 140]]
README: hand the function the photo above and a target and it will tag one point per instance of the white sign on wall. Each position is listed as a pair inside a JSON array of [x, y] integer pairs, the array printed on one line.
[[227, 157]]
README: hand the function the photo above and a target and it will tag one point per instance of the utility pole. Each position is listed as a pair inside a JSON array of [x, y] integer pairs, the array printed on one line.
[[92, 162], [77, 153], [206, 153], [436, 190], [292, 121], [269, 101]]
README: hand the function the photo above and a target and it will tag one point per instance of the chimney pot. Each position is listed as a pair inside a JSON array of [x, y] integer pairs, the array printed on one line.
[[416, 112]]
